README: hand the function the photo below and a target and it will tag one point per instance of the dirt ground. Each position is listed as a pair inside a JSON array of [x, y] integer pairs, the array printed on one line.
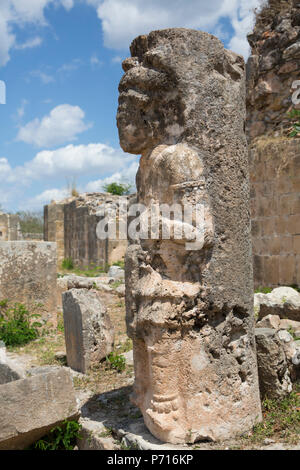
[[281, 423]]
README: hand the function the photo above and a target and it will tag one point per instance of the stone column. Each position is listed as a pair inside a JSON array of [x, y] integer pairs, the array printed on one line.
[[190, 303]]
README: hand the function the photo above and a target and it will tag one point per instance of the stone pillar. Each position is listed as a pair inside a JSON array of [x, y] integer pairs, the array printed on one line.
[[190, 305]]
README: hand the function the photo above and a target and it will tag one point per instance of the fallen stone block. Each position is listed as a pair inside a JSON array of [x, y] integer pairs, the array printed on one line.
[[89, 333], [292, 352], [121, 290], [128, 356], [273, 370], [282, 301], [116, 272], [270, 321], [31, 407], [95, 436], [287, 324], [28, 275], [10, 370]]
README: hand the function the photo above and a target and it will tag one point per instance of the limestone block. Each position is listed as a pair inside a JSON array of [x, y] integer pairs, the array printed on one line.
[[270, 321], [116, 272], [28, 274], [10, 370], [282, 301], [89, 333], [273, 371], [32, 406]]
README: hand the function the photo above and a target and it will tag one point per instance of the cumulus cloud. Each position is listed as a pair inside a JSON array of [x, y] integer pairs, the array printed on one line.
[[62, 125], [20, 13], [37, 202], [71, 160], [122, 20], [80, 162], [126, 175]]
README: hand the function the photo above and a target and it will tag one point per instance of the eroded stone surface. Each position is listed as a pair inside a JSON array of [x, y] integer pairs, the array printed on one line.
[[32, 406], [273, 67], [89, 332], [28, 275], [282, 301], [190, 311], [273, 370]]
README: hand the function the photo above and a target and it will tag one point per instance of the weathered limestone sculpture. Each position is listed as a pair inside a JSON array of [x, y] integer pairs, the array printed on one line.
[[190, 308]]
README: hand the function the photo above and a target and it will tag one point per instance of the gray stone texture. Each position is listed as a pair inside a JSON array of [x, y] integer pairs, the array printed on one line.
[[72, 224], [32, 406], [190, 313], [28, 275], [282, 301], [9, 227], [89, 333], [272, 67], [273, 370]]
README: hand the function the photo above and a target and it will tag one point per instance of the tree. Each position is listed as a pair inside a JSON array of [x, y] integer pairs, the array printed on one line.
[[118, 189], [31, 222]]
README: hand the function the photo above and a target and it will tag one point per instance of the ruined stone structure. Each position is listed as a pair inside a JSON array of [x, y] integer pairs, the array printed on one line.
[[28, 275], [72, 224], [275, 209], [272, 69], [89, 333], [190, 307], [9, 227]]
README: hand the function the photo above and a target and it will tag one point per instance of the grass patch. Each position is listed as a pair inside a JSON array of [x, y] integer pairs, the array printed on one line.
[[281, 419], [87, 271], [116, 284], [121, 264], [67, 264], [263, 290]]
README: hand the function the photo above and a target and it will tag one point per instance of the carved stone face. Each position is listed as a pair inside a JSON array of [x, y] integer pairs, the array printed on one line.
[[149, 106]]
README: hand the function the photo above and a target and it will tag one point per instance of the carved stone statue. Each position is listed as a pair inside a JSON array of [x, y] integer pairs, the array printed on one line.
[[189, 297]]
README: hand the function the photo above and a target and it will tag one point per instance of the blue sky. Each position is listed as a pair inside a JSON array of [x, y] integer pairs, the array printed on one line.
[[61, 63]]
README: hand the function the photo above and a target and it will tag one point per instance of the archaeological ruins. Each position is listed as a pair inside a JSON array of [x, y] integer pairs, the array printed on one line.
[[190, 313], [184, 334], [72, 224]]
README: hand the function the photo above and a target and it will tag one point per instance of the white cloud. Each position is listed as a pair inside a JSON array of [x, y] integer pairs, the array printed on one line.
[[72, 160], [95, 61], [33, 42], [37, 202], [116, 60], [21, 109], [123, 20], [242, 22], [61, 165], [45, 77], [20, 13], [126, 175], [70, 66], [62, 125]]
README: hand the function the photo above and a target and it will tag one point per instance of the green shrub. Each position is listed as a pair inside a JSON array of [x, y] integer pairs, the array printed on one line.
[[17, 325], [31, 222], [118, 189], [60, 438], [116, 361], [68, 264]]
